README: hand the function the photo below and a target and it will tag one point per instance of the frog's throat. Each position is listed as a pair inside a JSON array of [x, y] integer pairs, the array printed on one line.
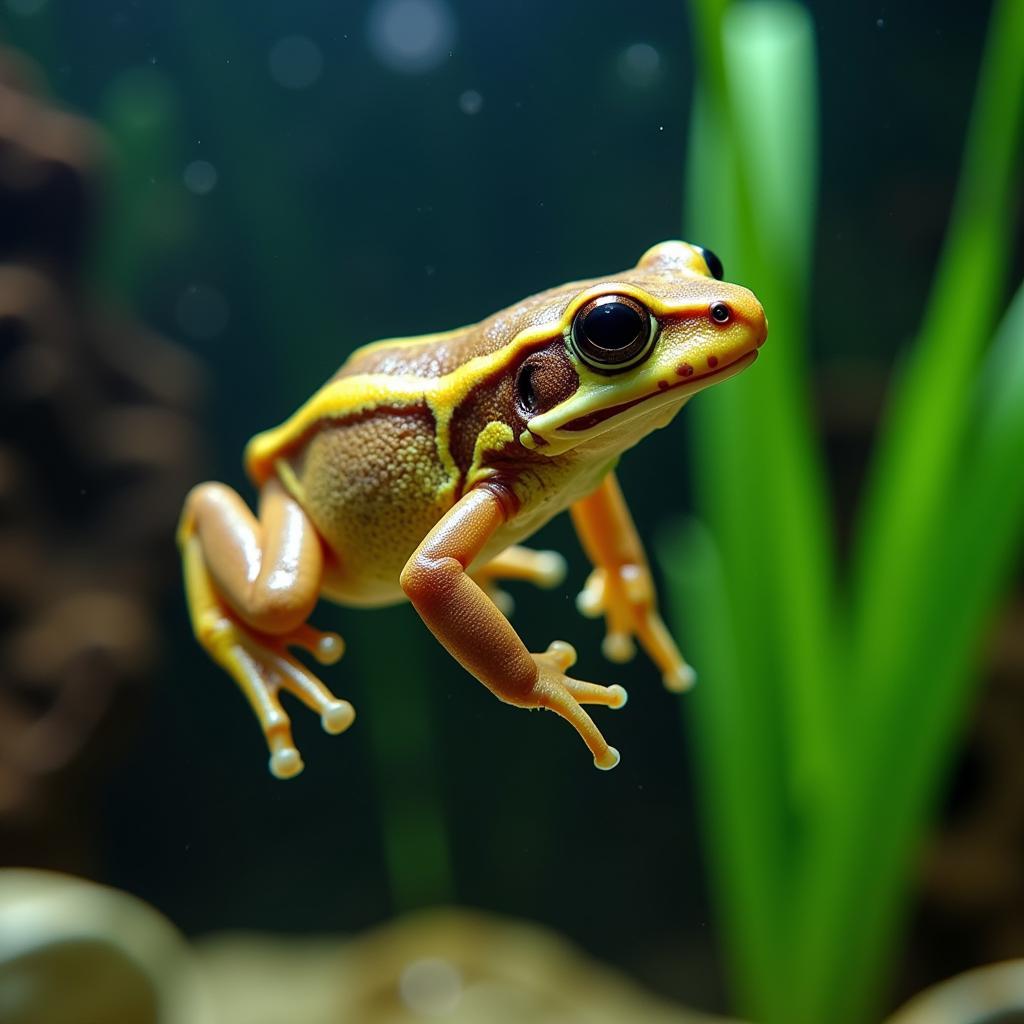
[[571, 424]]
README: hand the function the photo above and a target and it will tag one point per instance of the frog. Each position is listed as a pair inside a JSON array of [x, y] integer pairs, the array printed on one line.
[[418, 470]]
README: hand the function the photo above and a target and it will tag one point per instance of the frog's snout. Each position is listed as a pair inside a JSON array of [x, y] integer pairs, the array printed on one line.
[[750, 313], [762, 329]]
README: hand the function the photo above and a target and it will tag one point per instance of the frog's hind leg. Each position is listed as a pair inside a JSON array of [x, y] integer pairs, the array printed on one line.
[[545, 569], [250, 584]]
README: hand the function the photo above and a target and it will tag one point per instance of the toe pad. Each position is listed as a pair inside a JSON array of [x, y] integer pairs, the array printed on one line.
[[680, 679], [285, 763], [337, 717]]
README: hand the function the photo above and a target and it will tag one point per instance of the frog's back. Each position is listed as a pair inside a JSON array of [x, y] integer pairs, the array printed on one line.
[[439, 355], [380, 453]]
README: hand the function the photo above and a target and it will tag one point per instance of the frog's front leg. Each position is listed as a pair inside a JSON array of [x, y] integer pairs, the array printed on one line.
[[250, 584], [477, 635], [621, 588]]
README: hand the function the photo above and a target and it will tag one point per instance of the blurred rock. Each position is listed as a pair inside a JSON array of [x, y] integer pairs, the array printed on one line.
[[48, 169], [987, 995], [456, 965], [97, 448], [72, 952]]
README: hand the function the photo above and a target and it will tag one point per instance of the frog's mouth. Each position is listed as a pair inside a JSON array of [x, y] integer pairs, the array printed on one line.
[[590, 424]]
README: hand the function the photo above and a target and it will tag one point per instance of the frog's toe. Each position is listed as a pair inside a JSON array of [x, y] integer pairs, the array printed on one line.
[[590, 600], [503, 600], [286, 763], [550, 569], [557, 692], [618, 647], [562, 654], [328, 649], [679, 678], [613, 696], [337, 716], [325, 646], [545, 569]]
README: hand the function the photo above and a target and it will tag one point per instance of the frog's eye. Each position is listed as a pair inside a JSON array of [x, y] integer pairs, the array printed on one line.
[[714, 264], [612, 333]]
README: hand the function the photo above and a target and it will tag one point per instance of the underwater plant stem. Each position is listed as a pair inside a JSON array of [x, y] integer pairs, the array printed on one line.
[[731, 749], [761, 483], [757, 449], [859, 888], [846, 816], [397, 713], [913, 634]]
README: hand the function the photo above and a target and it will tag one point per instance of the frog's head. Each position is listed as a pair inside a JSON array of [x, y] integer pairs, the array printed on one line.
[[640, 344]]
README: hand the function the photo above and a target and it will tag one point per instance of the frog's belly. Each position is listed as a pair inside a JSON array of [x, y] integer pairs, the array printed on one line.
[[374, 488]]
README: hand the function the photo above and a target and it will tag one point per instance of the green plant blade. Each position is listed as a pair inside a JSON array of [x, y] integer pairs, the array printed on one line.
[[929, 409], [738, 797], [858, 887], [760, 477]]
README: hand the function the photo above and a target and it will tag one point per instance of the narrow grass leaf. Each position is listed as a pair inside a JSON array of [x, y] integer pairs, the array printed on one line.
[[739, 798], [929, 408]]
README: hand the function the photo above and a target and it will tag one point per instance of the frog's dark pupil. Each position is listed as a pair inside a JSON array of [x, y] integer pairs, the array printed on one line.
[[612, 326], [714, 264]]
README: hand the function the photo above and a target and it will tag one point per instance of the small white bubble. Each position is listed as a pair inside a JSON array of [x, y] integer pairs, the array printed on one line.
[[26, 8], [430, 987], [471, 102], [411, 36], [639, 65], [296, 62], [200, 177], [880, 23], [201, 312]]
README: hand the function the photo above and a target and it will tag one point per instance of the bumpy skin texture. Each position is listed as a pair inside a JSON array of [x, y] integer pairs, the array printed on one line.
[[422, 460]]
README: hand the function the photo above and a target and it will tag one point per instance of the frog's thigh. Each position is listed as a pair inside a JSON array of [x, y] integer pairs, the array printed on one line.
[[268, 572], [267, 569]]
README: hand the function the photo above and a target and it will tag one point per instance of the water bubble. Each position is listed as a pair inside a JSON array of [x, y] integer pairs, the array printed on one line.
[[26, 8], [201, 312], [471, 102], [296, 62], [639, 65], [200, 177], [430, 987], [411, 36]]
